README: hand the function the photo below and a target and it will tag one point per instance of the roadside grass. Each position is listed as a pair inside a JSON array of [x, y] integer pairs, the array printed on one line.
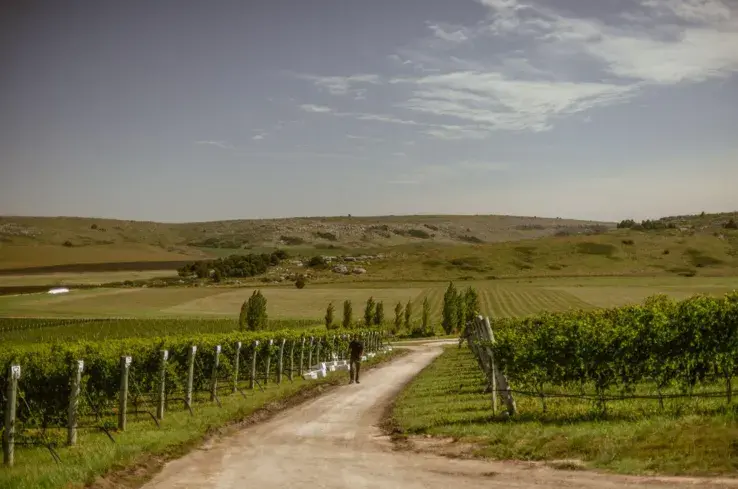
[[143, 448], [689, 437]]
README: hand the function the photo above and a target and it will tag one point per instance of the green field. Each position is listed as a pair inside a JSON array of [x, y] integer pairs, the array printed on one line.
[[499, 298], [447, 400]]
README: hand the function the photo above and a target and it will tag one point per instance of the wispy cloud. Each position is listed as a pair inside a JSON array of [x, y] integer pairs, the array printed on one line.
[[343, 85], [259, 137], [219, 144], [315, 108], [526, 65]]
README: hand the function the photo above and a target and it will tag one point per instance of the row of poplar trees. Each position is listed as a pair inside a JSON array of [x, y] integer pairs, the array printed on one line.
[[374, 315], [458, 308]]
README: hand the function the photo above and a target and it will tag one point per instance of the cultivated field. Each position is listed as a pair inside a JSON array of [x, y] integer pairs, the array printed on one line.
[[498, 298]]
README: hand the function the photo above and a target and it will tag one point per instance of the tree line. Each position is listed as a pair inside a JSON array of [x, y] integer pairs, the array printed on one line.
[[249, 265]]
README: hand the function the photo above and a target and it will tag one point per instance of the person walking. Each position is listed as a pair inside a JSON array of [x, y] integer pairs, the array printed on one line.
[[356, 350]]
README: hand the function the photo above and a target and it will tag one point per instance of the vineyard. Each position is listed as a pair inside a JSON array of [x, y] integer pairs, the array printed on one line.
[[663, 351], [43, 330], [53, 390]]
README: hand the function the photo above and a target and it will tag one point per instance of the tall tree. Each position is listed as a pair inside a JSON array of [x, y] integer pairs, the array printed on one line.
[[450, 318], [471, 305], [347, 313], [369, 311], [329, 316], [379, 314], [408, 316], [256, 314], [242, 316], [425, 318], [398, 317]]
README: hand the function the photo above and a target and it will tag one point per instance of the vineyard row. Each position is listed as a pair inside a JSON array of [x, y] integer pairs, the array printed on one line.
[[90, 384], [664, 345]]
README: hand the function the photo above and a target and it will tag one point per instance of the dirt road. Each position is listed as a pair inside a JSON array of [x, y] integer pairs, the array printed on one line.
[[333, 442]]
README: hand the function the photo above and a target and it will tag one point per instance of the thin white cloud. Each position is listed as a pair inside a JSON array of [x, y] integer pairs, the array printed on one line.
[[259, 137], [219, 144], [315, 108], [343, 85], [446, 33]]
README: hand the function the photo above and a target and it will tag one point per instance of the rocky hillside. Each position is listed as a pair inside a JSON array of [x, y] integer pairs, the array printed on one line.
[[318, 232]]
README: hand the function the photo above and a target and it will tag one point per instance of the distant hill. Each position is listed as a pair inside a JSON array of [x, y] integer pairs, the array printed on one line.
[[45, 241]]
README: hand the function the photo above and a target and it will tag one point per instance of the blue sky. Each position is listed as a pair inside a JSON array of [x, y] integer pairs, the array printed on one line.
[[190, 111]]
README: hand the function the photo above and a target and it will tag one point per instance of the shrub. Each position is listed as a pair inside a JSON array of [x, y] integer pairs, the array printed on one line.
[[326, 236], [292, 240], [628, 242], [589, 248], [418, 233], [300, 282], [731, 224], [68, 244], [317, 262], [471, 239]]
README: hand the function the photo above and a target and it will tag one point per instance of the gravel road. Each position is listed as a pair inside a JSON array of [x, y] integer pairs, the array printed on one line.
[[334, 442]]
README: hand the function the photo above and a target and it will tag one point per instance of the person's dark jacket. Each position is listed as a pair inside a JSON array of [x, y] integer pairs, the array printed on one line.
[[357, 349]]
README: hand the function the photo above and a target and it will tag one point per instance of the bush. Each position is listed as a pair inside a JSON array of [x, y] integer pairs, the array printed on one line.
[[418, 233], [326, 236], [292, 240], [628, 242], [68, 244], [731, 224], [235, 266], [300, 282], [317, 262]]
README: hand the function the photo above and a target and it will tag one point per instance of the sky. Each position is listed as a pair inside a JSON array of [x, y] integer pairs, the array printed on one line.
[[206, 110]]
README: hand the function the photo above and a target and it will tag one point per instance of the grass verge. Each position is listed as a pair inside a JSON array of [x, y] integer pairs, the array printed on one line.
[[444, 410], [143, 449]]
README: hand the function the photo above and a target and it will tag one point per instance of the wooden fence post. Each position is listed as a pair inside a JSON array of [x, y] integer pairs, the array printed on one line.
[[236, 361], [280, 362], [499, 377], [214, 377], [268, 363], [125, 365], [9, 433], [252, 382], [190, 376], [310, 354], [302, 356], [162, 384], [79, 367], [292, 360]]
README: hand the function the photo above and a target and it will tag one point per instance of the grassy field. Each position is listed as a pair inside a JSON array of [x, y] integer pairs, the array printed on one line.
[[695, 437], [87, 278], [143, 446], [499, 298]]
